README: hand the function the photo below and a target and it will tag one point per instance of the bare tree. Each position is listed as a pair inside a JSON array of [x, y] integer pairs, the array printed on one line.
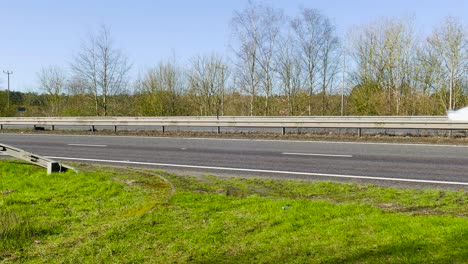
[[53, 82], [384, 52], [102, 67], [270, 21], [289, 70], [309, 32], [449, 43], [162, 86], [329, 60], [246, 30], [206, 81]]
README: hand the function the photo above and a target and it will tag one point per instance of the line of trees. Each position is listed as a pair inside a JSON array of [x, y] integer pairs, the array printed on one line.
[[277, 65]]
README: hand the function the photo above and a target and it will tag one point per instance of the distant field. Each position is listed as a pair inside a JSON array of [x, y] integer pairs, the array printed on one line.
[[120, 215]]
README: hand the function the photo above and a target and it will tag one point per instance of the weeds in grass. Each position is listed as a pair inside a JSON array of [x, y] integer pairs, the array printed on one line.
[[18, 229]]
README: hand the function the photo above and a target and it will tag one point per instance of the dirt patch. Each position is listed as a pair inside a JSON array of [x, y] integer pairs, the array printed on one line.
[[6, 192]]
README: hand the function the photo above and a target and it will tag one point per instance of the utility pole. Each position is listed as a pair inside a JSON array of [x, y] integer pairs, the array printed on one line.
[[343, 85], [451, 90], [222, 90], [222, 68], [8, 91]]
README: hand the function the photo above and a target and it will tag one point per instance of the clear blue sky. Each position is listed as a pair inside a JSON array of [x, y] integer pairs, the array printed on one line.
[[49, 32]]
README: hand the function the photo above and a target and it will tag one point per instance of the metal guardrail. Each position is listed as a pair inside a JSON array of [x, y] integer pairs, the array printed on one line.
[[357, 122], [422, 122], [50, 165]]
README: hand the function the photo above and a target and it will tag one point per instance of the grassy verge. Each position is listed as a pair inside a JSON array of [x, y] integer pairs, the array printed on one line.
[[128, 216]]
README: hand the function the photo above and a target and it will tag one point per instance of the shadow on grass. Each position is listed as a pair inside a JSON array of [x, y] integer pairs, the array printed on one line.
[[408, 251], [411, 251]]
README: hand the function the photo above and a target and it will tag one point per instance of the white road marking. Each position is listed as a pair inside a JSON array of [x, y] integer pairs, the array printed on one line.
[[87, 145], [319, 155], [264, 171], [183, 148]]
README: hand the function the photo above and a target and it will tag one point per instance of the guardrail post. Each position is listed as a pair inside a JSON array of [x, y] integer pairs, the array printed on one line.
[[53, 127], [1, 127], [219, 130], [283, 131], [92, 129], [359, 132], [115, 129], [450, 133], [54, 167], [163, 129]]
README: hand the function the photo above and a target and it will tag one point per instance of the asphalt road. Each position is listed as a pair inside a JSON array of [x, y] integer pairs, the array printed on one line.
[[443, 166]]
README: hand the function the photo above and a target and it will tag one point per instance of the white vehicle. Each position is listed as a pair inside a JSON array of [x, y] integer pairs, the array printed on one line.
[[458, 115]]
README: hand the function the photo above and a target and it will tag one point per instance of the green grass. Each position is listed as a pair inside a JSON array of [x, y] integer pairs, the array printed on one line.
[[110, 215]]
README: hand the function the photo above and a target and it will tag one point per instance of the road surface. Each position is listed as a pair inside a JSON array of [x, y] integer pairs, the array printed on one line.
[[444, 166]]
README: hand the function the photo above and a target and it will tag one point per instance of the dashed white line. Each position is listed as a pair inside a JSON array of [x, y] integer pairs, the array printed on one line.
[[264, 171], [87, 145], [317, 154]]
